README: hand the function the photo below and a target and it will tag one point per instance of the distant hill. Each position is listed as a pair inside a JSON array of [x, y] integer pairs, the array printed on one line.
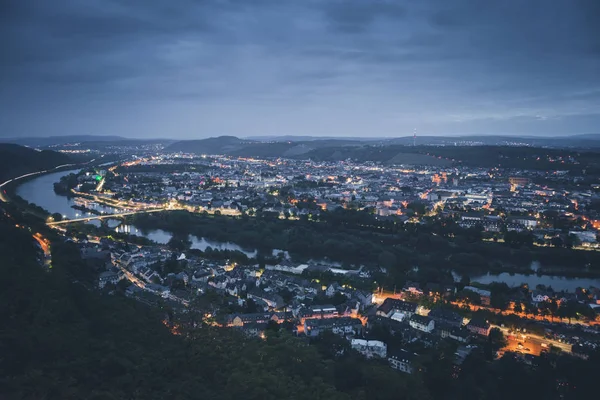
[[574, 141], [58, 140], [86, 141], [215, 145], [234, 146], [487, 156], [17, 160], [291, 138], [484, 151]]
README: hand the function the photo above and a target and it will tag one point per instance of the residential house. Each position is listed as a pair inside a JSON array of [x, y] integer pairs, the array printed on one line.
[[479, 327], [397, 309], [273, 300], [526, 221], [253, 329], [422, 323], [109, 277], [158, 289], [461, 335], [538, 296], [254, 318], [333, 289], [318, 311], [403, 360], [339, 326], [440, 315], [370, 348]]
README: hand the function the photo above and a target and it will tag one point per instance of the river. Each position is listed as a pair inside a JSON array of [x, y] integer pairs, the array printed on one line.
[[163, 237], [559, 283], [40, 191]]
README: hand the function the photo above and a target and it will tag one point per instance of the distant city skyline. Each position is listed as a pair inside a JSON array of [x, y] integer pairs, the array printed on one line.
[[330, 68]]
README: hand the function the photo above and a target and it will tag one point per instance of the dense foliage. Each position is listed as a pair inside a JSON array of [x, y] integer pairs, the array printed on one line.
[[18, 160]]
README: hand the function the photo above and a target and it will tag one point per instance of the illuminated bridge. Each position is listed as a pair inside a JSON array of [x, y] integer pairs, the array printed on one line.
[[104, 216]]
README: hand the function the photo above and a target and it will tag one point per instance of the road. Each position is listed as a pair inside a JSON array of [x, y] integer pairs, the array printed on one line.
[[541, 318], [3, 196], [45, 245], [86, 219], [532, 343], [142, 285]]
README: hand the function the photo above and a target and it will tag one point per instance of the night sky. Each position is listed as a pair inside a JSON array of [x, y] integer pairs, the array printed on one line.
[[193, 69]]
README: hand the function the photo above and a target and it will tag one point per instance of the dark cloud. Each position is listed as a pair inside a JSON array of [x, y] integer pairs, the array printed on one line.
[[332, 67], [358, 15]]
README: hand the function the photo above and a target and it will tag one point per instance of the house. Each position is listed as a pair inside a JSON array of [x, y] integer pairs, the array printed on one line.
[[369, 348], [158, 289], [109, 277], [253, 329], [364, 297], [421, 323], [403, 360], [473, 217], [273, 300], [323, 311], [253, 318], [397, 309], [219, 282], [232, 289], [539, 296], [461, 335], [333, 289], [526, 221], [443, 316], [339, 326], [201, 275], [479, 327]]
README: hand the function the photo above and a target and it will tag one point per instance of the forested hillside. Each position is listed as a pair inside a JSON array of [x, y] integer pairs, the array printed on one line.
[[17, 160]]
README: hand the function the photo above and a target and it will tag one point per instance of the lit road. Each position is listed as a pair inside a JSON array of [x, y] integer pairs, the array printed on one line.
[[532, 343], [543, 318], [131, 277], [3, 196], [45, 245], [104, 216]]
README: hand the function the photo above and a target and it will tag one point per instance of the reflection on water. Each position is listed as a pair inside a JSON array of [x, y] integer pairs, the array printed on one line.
[[513, 280], [113, 223], [203, 244], [163, 237], [40, 191]]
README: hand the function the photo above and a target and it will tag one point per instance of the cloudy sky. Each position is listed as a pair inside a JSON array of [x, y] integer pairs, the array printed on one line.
[[199, 68]]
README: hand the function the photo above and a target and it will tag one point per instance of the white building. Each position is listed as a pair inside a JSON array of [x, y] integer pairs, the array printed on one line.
[[403, 361], [421, 323], [370, 348]]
